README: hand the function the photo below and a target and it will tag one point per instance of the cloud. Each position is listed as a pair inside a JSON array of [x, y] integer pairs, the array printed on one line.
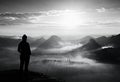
[[104, 24], [19, 15], [41, 13], [54, 17], [10, 18], [16, 18], [62, 12], [34, 17], [101, 10]]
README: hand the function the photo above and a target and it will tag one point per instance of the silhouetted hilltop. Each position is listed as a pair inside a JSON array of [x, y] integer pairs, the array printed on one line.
[[95, 43], [8, 42], [115, 40], [37, 42], [85, 39], [103, 40], [91, 45], [108, 54], [52, 42]]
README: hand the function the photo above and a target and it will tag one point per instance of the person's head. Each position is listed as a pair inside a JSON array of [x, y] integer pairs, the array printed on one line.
[[24, 37]]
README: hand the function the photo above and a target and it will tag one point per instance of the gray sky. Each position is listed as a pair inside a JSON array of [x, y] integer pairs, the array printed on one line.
[[37, 5], [59, 17]]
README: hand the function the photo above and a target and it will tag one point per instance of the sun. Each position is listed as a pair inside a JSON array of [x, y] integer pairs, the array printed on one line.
[[71, 19], [68, 19]]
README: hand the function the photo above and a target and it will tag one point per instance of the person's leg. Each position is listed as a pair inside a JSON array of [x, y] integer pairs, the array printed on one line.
[[27, 63], [21, 63]]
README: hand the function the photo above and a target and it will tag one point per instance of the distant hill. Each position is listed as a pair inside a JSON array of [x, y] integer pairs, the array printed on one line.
[[85, 39], [115, 40], [103, 40], [38, 42], [94, 43], [112, 40], [91, 45], [8, 42], [52, 42], [108, 55]]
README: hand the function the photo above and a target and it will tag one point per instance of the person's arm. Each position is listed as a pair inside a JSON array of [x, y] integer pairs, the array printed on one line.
[[29, 49], [19, 48]]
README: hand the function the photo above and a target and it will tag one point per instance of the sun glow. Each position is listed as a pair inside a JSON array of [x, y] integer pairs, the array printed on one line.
[[67, 18], [71, 18]]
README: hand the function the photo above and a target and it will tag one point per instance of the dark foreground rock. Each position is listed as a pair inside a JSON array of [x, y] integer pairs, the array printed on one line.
[[16, 76]]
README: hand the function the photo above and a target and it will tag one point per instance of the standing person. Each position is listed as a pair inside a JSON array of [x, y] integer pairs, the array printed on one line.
[[25, 52]]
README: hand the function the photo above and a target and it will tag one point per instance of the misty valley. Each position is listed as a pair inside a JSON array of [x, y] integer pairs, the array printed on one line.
[[88, 59]]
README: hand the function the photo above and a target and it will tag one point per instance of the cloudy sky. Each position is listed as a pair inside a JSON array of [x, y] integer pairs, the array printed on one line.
[[59, 17]]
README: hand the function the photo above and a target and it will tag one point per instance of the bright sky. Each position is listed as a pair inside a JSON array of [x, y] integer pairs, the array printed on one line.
[[59, 17]]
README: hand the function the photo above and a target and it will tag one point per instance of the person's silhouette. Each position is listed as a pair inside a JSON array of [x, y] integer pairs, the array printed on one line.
[[25, 52]]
